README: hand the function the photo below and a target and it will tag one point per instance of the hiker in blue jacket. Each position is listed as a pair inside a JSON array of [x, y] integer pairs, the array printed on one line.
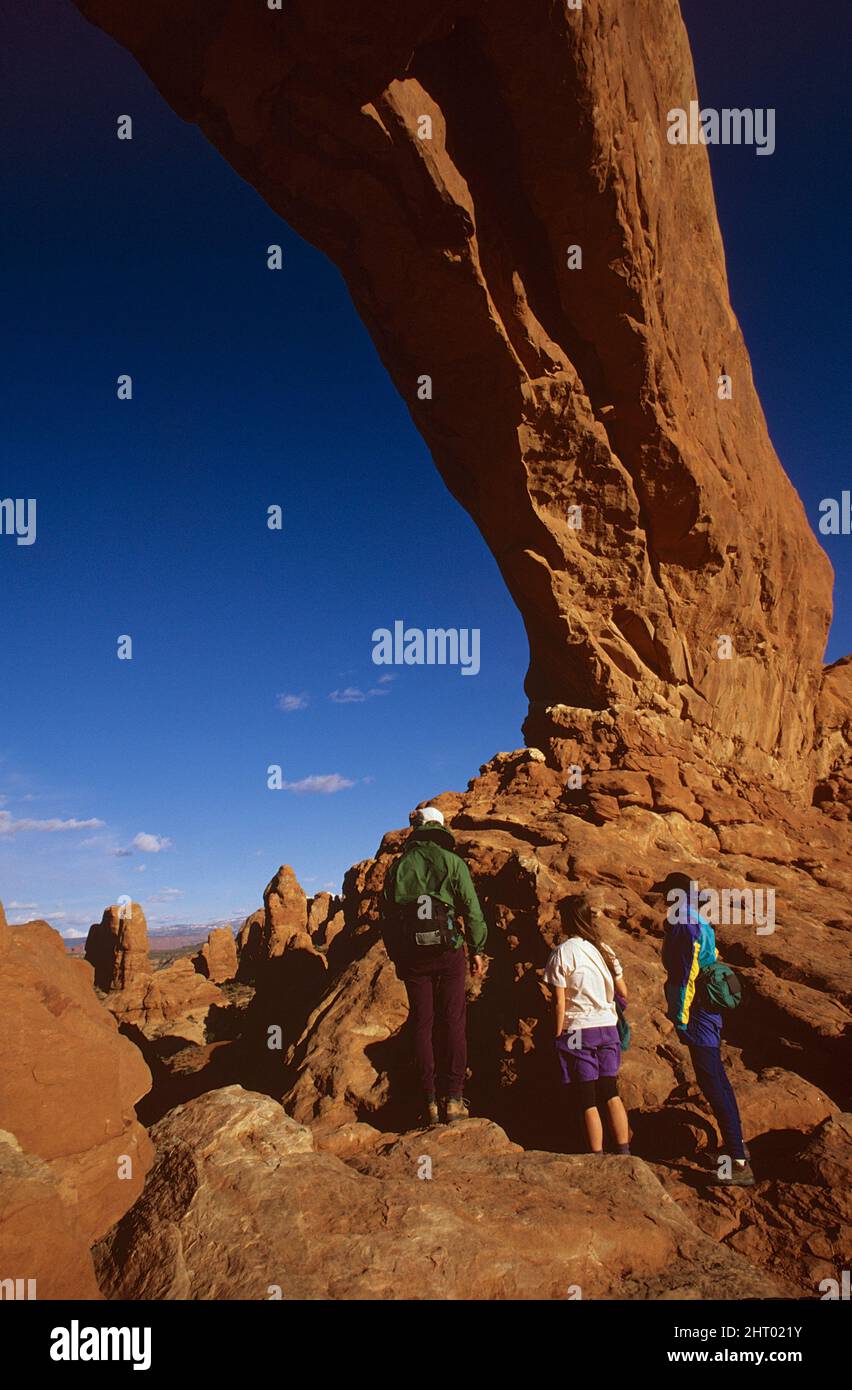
[[689, 946]]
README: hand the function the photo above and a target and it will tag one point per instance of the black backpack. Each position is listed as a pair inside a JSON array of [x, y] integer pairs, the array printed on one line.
[[426, 923]]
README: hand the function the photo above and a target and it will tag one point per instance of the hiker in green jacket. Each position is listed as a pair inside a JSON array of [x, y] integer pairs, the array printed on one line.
[[424, 890]]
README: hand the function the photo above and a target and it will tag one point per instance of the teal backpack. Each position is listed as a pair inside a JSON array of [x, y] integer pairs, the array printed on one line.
[[722, 989], [623, 1026]]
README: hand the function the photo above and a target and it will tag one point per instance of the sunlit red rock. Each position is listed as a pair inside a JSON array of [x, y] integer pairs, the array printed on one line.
[[74, 1156], [217, 958], [117, 947], [242, 1186]]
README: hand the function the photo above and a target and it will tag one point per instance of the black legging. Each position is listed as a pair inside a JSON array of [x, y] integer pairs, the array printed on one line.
[[593, 1093]]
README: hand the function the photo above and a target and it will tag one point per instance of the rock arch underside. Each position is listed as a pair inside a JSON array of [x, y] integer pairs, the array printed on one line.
[[552, 388]]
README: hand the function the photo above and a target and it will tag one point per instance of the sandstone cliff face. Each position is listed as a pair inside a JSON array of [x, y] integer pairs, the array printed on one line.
[[276, 946], [117, 948], [530, 840], [325, 918], [248, 941], [529, 843], [447, 157], [217, 959], [40, 1240], [833, 791], [285, 912], [173, 1002], [280, 958], [73, 1156]]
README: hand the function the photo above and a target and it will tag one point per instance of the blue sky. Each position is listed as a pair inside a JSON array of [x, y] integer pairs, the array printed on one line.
[[254, 388]]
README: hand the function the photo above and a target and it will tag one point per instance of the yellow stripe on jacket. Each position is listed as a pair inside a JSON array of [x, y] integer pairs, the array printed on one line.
[[689, 991]]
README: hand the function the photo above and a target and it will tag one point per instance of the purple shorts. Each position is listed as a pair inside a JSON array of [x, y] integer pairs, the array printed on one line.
[[598, 1053]]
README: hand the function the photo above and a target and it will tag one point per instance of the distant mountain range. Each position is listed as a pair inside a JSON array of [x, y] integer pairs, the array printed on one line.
[[163, 938], [184, 928]]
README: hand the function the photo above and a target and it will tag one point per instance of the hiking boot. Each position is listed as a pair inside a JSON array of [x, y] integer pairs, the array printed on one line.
[[456, 1108], [712, 1156], [740, 1177], [432, 1113]]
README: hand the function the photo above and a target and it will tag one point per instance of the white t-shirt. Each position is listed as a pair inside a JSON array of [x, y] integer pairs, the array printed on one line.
[[580, 969]]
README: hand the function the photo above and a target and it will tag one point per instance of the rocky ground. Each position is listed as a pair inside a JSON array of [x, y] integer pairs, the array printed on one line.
[[455, 1213]]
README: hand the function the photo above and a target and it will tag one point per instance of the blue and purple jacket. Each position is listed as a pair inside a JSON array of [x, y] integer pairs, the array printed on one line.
[[687, 948]]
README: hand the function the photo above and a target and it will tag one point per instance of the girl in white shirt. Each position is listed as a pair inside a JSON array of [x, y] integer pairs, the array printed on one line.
[[585, 976]]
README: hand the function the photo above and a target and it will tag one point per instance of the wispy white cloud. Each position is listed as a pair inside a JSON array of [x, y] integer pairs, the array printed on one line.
[[45, 917], [354, 695], [288, 703], [10, 826], [21, 907], [69, 920], [324, 785], [121, 853], [166, 895], [150, 844]]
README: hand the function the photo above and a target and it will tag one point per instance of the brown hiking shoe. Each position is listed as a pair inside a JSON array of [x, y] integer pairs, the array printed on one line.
[[432, 1113], [710, 1159], [739, 1177], [456, 1109]]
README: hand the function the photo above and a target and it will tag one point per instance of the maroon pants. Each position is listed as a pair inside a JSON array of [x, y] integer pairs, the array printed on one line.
[[436, 996]]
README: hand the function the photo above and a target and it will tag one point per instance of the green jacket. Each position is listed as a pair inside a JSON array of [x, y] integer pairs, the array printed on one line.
[[430, 865]]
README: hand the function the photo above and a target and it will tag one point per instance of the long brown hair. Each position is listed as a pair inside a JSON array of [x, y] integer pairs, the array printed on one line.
[[578, 920]]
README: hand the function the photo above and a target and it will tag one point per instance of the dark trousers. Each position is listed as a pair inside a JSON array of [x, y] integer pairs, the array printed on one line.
[[717, 1091], [436, 995]]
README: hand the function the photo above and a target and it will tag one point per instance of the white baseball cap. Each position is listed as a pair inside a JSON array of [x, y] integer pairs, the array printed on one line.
[[427, 815]]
